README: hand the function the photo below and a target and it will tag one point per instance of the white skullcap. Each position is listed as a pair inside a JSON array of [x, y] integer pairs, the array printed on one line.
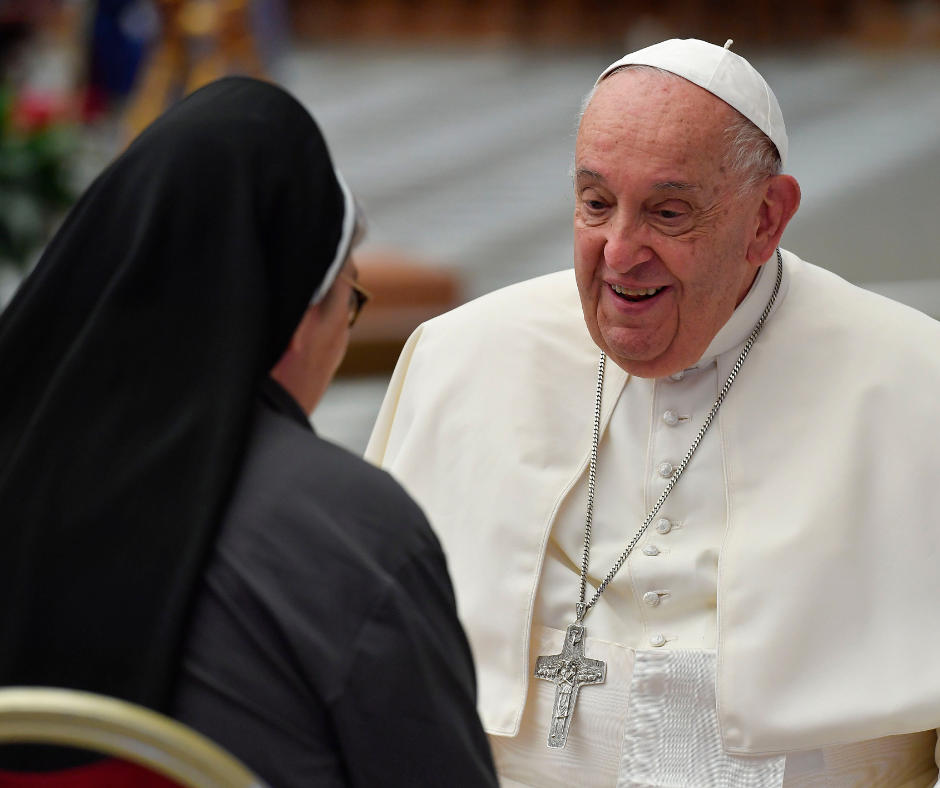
[[721, 72]]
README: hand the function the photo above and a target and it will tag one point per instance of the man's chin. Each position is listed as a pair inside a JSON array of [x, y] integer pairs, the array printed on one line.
[[645, 358], [635, 345], [655, 368]]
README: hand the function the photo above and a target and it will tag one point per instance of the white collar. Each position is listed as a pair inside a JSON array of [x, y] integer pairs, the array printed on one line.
[[742, 321]]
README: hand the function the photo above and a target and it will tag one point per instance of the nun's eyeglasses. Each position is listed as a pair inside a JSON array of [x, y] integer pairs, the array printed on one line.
[[357, 299]]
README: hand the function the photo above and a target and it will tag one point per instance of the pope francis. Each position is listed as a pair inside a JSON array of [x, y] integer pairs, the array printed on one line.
[[690, 491]]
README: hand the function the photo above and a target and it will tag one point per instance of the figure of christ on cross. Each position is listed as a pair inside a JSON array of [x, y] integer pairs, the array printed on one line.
[[570, 670]]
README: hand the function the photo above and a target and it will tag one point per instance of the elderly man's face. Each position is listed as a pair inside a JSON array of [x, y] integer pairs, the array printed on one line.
[[661, 232]]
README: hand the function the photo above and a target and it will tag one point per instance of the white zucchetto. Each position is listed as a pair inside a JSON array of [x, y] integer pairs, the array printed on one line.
[[722, 73]]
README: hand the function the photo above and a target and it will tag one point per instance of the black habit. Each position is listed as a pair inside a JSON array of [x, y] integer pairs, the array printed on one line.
[[325, 648], [152, 506]]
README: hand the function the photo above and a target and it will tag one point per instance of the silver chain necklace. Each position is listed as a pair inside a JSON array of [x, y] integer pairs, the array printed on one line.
[[570, 670]]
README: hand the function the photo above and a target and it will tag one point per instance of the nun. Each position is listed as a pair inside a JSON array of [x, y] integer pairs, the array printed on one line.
[[172, 530]]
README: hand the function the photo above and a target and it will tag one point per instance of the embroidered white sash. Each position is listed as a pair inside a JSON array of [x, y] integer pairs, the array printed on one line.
[[671, 738]]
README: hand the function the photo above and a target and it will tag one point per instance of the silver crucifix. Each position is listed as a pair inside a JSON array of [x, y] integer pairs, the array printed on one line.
[[570, 670]]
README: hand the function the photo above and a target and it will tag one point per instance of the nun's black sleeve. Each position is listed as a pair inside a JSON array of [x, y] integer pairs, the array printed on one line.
[[325, 648]]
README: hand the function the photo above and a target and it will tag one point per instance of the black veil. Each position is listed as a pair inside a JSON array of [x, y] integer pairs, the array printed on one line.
[[129, 360]]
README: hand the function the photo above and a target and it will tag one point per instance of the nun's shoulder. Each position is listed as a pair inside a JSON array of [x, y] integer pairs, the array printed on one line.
[[314, 494]]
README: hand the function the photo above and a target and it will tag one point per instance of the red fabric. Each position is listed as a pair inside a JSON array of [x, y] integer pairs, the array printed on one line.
[[110, 773]]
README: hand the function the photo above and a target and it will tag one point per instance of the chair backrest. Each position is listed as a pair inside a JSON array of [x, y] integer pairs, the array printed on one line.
[[143, 738]]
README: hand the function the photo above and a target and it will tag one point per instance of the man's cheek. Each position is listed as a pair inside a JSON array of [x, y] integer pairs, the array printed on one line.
[[588, 258]]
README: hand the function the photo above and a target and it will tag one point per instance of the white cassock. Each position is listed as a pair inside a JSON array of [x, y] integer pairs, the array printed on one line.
[[786, 600]]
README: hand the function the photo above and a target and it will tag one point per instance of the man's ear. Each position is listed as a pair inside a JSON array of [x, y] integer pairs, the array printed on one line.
[[781, 199]]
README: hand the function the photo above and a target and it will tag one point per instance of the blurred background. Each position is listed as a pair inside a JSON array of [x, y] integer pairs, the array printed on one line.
[[454, 121]]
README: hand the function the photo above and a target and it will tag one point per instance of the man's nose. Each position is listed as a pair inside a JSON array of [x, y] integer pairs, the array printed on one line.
[[627, 246]]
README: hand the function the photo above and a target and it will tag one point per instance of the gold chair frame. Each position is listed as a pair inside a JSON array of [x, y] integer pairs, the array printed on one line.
[[39, 715]]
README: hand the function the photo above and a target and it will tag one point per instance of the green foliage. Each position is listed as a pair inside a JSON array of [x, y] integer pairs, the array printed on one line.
[[35, 169]]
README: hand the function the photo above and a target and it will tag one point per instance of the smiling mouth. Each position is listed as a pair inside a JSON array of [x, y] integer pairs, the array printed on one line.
[[636, 294]]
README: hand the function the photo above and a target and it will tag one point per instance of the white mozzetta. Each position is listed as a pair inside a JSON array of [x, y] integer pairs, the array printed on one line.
[[828, 622], [684, 576]]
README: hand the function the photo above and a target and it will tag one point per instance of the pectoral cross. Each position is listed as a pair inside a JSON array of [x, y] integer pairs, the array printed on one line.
[[570, 670]]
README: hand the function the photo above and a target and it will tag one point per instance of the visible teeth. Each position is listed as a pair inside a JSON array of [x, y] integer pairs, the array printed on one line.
[[641, 291]]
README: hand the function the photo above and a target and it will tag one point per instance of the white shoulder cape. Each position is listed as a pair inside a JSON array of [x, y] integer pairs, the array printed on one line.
[[829, 580]]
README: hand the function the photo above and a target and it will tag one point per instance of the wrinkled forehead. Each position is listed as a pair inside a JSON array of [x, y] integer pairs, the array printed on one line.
[[640, 117]]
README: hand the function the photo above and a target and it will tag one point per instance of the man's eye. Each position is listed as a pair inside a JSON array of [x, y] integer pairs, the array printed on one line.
[[595, 205], [670, 214]]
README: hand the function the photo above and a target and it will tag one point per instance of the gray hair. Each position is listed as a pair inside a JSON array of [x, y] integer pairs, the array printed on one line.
[[752, 156]]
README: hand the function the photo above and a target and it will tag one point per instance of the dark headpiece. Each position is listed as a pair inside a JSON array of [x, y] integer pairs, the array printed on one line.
[[128, 364]]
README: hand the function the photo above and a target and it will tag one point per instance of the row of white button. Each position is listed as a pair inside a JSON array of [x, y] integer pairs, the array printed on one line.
[[663, 526], [652, 597]]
